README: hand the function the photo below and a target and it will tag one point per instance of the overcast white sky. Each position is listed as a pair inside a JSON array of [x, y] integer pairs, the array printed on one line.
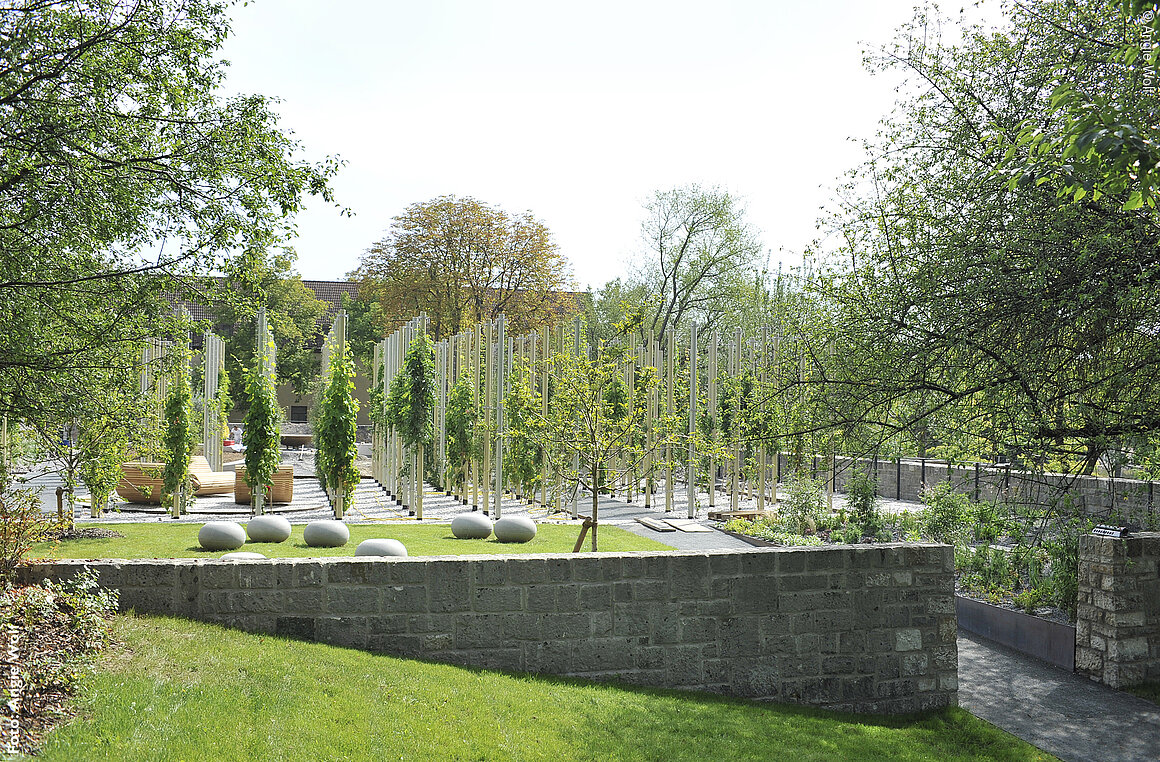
[[574, 111]]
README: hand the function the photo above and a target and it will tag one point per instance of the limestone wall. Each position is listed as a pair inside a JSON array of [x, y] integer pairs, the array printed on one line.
[[1117, 629], [866, 628]]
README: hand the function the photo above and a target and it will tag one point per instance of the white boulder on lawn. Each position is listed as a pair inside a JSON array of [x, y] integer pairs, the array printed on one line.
[[221, 535], [515, 529], [268, 529], [471, 526], [380, 546], [326, 533]]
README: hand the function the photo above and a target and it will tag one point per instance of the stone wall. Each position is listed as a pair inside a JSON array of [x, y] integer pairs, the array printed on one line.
[[905, 480], [1117, 638], [867, 628]]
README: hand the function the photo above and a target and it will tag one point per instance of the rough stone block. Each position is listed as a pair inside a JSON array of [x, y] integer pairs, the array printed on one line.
[[352, 600], [907, 640], [498, 599]]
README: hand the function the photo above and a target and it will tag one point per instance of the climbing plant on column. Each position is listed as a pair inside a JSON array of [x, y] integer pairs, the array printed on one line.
[[262, 434], [411, 403], [179, 439], [461, 441], [335, 430]]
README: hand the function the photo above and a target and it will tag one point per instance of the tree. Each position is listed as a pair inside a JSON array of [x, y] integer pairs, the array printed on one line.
[[700, 252], [1101, 140], [461, 439], [463, 262], [294, 314], [122, 171], [981, 314]]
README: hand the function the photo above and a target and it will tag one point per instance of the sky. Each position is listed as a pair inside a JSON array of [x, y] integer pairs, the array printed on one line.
[[576, 112]]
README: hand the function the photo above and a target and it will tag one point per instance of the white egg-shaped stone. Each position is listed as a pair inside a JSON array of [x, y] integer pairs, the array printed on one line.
[[515, 529], [380, 546], [243, 555], [326, 533], [221, 535], [268, 529], [471, 526]]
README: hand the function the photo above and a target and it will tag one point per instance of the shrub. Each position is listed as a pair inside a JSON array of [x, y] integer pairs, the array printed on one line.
[[21, 523], [945, 517], [848, 535], [862, 497], [804, 506]]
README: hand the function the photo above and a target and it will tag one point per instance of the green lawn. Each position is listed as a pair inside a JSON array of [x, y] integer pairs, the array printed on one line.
[[165, 540], [189, 691]]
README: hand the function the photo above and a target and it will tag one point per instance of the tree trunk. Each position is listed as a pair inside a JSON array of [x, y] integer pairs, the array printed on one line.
[[595, 501]]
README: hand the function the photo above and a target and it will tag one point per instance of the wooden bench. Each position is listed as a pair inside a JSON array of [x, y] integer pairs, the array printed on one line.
[[207, 482], [281, 492], [141, 481]]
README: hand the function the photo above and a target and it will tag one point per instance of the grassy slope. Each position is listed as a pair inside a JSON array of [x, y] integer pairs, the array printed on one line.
[[190, 691], [163, 540]]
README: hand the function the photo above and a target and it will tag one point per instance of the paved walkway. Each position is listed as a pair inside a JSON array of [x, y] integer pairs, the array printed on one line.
[[1061, 712]]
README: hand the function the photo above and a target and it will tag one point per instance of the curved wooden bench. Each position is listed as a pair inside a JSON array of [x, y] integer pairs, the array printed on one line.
[[281, 492], [207, 482], [141, 481]]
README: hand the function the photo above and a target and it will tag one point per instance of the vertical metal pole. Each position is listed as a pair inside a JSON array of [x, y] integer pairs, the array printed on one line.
[[576, 453], [545, 337], [504, 350], [691, 484], [712, 405], [488, 372], [670, 410]]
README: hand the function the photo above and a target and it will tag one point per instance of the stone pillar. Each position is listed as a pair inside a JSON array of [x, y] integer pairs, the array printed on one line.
[[1117, 629]]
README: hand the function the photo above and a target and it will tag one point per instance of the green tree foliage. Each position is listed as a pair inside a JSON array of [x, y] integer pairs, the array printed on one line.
[[122, 170], [293, 314], [262, 432], [1102, 131], [335, 428], [995, 319], [104, 446], [181, 432], [461, 262], [701, 255], [522, 406]]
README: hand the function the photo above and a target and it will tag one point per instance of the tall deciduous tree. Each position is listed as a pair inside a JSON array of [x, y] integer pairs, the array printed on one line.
[[122, 170], [701, 254], [973, 309], [462, 261]]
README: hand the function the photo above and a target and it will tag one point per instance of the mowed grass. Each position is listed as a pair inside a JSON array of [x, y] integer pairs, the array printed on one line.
[[165, 540], [183, 690]]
